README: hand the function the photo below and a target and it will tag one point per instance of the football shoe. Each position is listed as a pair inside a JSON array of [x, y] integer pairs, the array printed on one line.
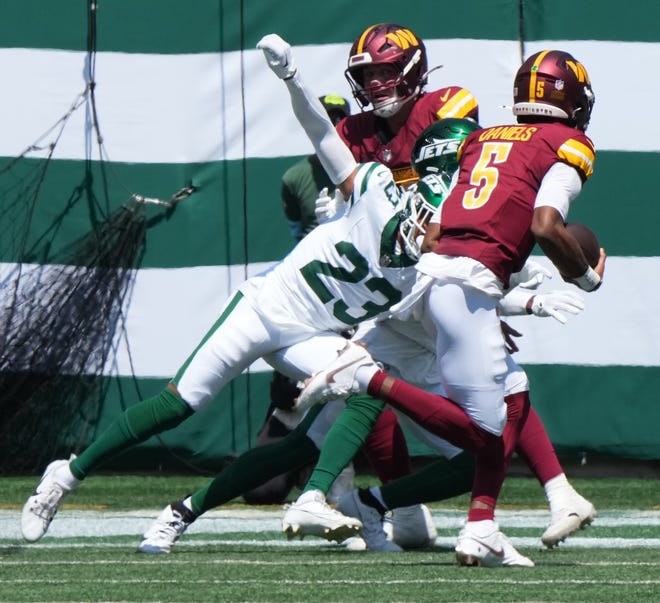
[[573, 515], [40, 509], [311, 515], [372, 531], [172, 522], [480, 543]]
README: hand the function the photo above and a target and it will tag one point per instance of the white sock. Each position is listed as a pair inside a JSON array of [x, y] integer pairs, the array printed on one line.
[[65, 478], [483, 527], [309, 496], [187, 503], [364, 374], [557, 490]]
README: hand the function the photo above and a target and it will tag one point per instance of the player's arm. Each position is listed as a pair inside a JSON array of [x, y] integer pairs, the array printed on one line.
[[335, 157], [564, 251], [559, 187], [433, 232]]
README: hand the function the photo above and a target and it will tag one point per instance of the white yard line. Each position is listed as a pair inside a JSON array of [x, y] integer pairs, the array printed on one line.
[[71, 523]]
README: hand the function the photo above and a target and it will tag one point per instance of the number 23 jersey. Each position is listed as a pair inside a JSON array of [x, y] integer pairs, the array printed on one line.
[[345, 271]]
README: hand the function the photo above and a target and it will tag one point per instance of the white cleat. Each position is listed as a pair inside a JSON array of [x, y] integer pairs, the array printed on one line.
[[412, 527], [337, 380], [372, 531], [311, 515], [172, 522], [568, 519], [480, 543], [41, 507]]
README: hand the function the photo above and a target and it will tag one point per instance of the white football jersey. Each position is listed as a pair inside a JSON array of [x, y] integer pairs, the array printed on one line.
[[347, 270]]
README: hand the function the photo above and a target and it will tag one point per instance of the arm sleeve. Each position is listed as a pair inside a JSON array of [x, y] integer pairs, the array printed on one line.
[[560, 185], [334, 155]]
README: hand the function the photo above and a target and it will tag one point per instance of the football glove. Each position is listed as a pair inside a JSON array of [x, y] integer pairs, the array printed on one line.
[[556, 302], [327, 207], [530, 277], [278, 56]]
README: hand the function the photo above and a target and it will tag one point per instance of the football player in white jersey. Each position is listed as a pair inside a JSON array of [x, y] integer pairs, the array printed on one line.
[[347, 271]]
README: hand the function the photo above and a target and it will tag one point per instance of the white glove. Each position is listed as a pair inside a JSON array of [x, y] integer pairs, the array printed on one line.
[[556, 302], [327, 207], [530, 277], [278, 56]]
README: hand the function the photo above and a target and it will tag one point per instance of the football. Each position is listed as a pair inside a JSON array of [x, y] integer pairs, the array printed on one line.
[[587, 240]]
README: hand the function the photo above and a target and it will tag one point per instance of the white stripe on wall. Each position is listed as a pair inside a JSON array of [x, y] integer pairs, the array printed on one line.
[[188, 108], [171, 309]]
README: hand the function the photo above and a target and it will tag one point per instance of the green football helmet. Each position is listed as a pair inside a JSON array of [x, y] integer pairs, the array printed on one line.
[[435, 150], [435, 158], [423, 199]]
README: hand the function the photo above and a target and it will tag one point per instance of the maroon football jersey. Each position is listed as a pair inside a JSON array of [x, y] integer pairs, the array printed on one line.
[[488, 215], [360, 135]]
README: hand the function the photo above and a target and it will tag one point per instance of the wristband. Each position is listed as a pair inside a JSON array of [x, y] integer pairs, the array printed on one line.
[[530, 304], [589, 281]]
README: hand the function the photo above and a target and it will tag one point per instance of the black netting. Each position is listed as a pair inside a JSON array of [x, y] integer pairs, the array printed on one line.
[[57, 323]]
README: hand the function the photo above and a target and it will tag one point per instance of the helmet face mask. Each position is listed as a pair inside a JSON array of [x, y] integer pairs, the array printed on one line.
[[423, 200], [552, 85], [387, 44]]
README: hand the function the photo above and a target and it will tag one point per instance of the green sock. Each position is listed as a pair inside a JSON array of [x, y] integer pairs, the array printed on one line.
[[343, 440], [436, 481], [257, 466], [134, 425]]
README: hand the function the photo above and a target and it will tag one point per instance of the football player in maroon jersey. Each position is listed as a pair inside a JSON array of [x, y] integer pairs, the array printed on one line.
[[514, 188], [387, 70]]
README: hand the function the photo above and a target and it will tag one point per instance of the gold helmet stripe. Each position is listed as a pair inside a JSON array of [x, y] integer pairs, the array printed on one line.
[[365, 33], [532, 77]]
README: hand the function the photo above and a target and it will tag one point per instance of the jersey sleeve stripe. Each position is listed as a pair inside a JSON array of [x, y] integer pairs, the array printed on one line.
[[362, 177], [578, 155], [459, 105]]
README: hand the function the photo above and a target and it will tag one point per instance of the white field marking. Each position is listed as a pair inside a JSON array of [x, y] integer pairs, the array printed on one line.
[[71, 523], [368, 559], [572, 542], [224, 581]]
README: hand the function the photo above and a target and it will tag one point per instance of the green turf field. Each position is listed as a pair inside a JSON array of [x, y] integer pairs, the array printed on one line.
[[237, 553]]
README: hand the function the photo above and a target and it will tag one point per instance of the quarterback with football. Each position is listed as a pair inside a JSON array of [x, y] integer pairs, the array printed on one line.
[[513, 189]]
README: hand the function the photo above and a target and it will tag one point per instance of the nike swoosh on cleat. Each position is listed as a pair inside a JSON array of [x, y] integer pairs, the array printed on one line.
[[499, 553], [495, 552]]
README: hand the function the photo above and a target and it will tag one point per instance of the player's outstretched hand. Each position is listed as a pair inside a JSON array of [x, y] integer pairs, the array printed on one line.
[[278, 56], [556, 303]]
